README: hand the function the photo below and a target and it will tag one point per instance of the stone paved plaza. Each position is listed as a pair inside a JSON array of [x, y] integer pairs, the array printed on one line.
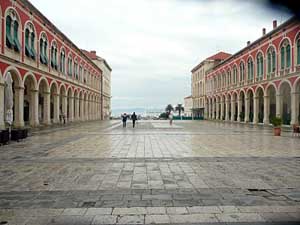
[[191, 173]]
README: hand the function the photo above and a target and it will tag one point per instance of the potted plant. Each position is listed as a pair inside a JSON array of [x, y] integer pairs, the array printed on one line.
[[277, 122]]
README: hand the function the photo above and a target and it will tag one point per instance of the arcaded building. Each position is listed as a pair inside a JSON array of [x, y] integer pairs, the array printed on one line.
[[52, 77], [260, 81], [199, 84], [106, 82]]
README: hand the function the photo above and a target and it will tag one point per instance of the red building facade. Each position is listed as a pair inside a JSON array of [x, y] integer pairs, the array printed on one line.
[[52, 77], [260, 81]]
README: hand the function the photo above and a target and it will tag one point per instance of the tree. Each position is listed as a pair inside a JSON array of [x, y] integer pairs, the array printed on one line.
[[163, 115], [169, 108], [179, 108]]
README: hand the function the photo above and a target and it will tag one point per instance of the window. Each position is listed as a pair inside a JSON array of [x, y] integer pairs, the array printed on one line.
[[242, 71], [80, 73], [63, 62], [44, 49], [70, 61], [271, 61], [76, 70], [285, 55], [84, 76], [234, 75], [298, 51], [250, 69], [30, 41], [228, 78], [54, 64], [260, 66], [12, 31]]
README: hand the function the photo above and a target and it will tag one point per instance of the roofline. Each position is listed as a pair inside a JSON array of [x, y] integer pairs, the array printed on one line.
[[105, 62], [201, 63], [289, 21], [33, 8]]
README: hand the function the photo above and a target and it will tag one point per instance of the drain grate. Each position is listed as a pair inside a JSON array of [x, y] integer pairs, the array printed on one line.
[[88, 204]]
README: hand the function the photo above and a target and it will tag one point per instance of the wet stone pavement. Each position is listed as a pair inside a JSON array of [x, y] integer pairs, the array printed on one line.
[[196, 172]]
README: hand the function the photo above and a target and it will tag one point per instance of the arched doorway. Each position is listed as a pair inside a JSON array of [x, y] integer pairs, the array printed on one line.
[[63, 104], [44, 102], [285, 93], [271, 93], [260, 105], [297, 102], [242, 106], [30, 105], [250, 105], [70, 105], [223, 112], [54, 103]]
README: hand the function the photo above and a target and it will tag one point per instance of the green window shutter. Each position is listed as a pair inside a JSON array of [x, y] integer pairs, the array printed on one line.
[[273, 61], [42, 58], [17, 45], [288, 56], [298, 51], [282, 57], [9, 39], [27, 48], [258, 66], [55, 58], [33, 53], [52, 57]]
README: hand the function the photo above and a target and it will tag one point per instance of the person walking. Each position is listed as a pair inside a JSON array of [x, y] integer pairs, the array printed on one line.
[[124, 119], [171, 118], [133, 118]]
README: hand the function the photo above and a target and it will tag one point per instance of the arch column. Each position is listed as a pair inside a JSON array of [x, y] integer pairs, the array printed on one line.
[[232, 109], [222, 110], [217, 110], [239, 109], [71, 109], [255, 109], [278, 105], [247, 106], [2, 113], [82, 110], [19, 107], [64, 106], [87, 111], [77, 108], [55, 108], [34, 120], [266, 109], [227, 101], [294, 107], [46, 113]]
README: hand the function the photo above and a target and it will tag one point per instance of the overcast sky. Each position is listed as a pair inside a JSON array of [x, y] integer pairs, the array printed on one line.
[[152, 45]]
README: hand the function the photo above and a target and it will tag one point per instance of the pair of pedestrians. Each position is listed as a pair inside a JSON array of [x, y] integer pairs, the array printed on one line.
[[133, 118]]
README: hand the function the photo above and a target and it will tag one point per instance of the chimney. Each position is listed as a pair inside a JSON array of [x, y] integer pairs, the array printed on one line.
[[264, 31], [274, 24], [248, 43]]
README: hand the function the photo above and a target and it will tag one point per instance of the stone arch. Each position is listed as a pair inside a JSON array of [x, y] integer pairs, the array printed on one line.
[[76, 104], [63, 103], [234, 106], [242, 99], [16, 76]]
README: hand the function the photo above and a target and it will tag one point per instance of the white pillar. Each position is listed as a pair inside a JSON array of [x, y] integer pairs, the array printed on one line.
[[56, 108], [255, 109], [266, 110], [232, 109], [239, 108], [247, 106], [82, 109], [227, 109], [294, 107], [2, 102], [222, 110], [71, 109], [46, 113], [278, 105], [19, 107], [34, 108]]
